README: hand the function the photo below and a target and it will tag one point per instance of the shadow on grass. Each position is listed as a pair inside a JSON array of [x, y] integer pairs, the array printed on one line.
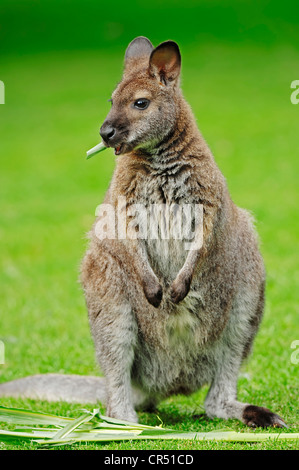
[[171, 417]]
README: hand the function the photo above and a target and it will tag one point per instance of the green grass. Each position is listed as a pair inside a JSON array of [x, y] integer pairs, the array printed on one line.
[[55, 103]]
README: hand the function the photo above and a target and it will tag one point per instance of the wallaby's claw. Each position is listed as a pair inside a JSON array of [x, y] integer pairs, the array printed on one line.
[[153, 292], [179, 289]]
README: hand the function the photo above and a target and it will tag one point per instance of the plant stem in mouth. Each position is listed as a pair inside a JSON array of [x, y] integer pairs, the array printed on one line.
[[98, 148]]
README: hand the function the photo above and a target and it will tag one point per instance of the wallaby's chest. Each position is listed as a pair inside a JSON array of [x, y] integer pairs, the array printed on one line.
[[167, 203]]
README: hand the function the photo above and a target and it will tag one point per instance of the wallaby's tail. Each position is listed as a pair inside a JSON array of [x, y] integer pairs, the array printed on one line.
[[56, 387]]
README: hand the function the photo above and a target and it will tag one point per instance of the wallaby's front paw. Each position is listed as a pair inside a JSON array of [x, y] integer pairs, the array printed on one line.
[[180, 288], [153, 292]]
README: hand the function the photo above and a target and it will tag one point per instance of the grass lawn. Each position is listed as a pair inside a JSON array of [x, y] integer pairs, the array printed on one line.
[[48, 194]]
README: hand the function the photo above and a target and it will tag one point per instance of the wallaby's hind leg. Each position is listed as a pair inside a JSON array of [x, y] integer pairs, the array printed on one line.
[[114, 331], [115, 355], [221, 400]]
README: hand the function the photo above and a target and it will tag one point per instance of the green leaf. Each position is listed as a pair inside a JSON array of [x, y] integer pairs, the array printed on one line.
[[19, 416], [62, 433], [94, 427]]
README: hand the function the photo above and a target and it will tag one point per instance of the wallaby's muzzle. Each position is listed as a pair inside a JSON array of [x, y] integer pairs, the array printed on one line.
[[107, 133], [113, 136]]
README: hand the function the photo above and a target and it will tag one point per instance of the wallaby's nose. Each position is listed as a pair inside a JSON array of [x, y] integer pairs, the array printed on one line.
[[107, 132]]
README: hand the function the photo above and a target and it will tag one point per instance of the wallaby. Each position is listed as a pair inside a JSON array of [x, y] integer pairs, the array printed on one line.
[[165, 320]]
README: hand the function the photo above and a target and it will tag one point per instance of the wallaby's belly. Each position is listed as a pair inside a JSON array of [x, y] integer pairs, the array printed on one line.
[[177, 347], [179, 367], [175, 358]]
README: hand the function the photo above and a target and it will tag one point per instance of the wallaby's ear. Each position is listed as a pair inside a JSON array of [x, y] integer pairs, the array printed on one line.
[[165, 62], [139, 47]]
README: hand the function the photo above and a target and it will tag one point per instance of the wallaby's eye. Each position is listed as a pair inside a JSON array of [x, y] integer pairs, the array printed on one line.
[[142, 103]]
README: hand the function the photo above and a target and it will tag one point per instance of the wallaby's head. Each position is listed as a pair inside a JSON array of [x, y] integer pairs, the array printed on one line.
[[145, 104]]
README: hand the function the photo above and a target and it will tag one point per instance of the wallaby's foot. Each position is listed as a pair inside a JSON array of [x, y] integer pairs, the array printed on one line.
[[180, 288], [252, 416], [153, 291], [125, 415], [257, 416]]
